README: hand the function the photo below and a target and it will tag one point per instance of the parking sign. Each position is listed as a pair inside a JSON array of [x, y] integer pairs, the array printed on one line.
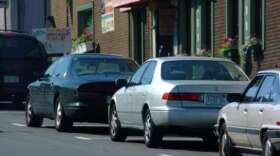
[[4, 3]]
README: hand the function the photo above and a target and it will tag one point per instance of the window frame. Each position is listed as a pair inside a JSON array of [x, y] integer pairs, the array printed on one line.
[[249, 86], [151, 63]]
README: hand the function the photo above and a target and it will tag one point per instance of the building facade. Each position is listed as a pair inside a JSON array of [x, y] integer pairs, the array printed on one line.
[[25, 15], [142, 29]]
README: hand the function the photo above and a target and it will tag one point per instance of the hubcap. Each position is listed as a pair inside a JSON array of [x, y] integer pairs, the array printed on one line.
[[29, 111], [148, 128], [114, 119], [224, 144], [58, 114], [268, 148]]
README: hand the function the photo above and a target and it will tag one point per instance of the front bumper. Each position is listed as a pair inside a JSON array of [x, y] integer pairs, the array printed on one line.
[[87, 111], [200, 118]]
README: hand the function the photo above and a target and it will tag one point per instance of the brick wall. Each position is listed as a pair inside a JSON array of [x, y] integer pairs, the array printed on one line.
[[58, 10], [220, 25], [272, 46], [116, 42]]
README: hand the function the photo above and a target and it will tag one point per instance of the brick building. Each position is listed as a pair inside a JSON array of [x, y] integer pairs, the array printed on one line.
[[148, 28]]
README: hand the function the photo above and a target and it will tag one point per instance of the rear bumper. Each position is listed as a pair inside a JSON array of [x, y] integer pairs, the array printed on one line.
[[13, 93], [201, 118]]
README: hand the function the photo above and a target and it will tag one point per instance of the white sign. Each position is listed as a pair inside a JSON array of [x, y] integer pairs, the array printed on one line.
[[4, 3], [56, 41], [107, 19]]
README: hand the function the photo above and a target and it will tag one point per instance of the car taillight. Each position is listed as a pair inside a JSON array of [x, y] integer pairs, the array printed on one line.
[[278, 123], [182, 97]]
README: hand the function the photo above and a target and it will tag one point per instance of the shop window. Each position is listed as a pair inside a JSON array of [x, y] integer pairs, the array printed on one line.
[[85, 19], [257, 19], [207, 28], [232, 18]]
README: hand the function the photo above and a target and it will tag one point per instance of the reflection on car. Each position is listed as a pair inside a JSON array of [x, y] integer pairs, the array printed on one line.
[[252, 123], [174, 94], [76, 88]]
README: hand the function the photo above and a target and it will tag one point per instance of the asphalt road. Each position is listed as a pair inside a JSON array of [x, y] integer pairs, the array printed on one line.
[[86, 139]]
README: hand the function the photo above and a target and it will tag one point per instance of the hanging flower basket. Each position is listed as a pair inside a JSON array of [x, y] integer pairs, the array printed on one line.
[[230, 50]]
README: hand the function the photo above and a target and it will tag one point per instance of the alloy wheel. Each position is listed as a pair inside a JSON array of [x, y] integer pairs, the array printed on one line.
[[148, 128], [268, 148], [113, 122], [58, 114]]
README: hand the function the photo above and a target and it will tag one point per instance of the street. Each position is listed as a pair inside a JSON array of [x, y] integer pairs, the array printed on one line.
[[86, 139]]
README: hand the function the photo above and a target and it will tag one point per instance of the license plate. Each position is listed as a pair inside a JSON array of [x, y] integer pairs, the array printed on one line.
[[11, 79], [215, 99]]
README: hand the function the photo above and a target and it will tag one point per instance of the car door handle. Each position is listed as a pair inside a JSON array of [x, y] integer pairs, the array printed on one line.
[[245, 110], [261, 110]]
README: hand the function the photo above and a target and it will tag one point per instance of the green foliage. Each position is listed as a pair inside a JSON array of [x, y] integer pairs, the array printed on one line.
[[82, 39]]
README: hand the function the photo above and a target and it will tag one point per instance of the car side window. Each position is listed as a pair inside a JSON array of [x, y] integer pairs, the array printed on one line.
[[275, 93], [149, 74], [252, 89], [138, 75], [62, 67], [265, 89]]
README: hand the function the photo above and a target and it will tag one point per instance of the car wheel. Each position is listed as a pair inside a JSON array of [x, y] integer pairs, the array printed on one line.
[[152, 135], [31, 119], [62, 123], [225, 145], [268, 149], [117, 133]]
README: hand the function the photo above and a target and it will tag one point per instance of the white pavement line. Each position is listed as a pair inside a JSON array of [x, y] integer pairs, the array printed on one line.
[[164, 155], [83, 138], [18, 124]]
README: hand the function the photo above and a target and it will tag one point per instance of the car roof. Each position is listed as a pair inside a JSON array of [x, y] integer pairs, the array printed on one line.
[[8, 33], [99, 55], [179, 58], [270, 71]]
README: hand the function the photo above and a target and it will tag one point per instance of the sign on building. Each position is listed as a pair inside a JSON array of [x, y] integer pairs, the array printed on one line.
[[4, 3], [107, 19], [56, 41]]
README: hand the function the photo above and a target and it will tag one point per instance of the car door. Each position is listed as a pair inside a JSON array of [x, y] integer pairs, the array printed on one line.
[[142, 92], [237, 117], [257, 109], [125, 104], [38, 94], [55, 84]]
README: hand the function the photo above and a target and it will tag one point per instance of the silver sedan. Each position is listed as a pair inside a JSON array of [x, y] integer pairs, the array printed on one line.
[[174, 94]]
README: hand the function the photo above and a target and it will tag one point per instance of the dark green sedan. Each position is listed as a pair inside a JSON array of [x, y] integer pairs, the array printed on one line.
[[76, 88]]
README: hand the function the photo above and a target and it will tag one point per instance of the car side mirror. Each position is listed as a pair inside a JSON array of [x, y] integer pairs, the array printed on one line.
[[121, 83], [234, 98]]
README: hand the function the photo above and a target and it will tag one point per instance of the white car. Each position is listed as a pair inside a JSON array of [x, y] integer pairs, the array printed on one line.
[[253, 123], [174, 94]]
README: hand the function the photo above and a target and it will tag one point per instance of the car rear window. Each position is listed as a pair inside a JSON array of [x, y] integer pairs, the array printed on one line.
[[202, 70], [85, 66], [20, 47]]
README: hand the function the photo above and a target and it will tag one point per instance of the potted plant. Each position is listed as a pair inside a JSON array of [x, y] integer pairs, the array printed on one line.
[[204, 53], [83, 43], [230, 50]]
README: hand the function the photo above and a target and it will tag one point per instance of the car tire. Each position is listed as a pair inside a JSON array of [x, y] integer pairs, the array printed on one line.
[[225, 145], [117, 133], [62, 123], [31, 119], [152, 134], [268, 149]]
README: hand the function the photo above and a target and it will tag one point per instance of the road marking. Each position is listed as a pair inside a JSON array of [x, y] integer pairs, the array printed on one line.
[[83, 138], [164, 155], [18, 124]]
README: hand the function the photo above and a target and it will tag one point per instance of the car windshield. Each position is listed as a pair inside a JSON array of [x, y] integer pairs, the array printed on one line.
[[87, 66], [19, 47], [202, 70]]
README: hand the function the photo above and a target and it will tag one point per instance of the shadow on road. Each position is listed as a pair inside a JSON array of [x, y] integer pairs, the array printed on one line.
[[190, 145], [94, 130]]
